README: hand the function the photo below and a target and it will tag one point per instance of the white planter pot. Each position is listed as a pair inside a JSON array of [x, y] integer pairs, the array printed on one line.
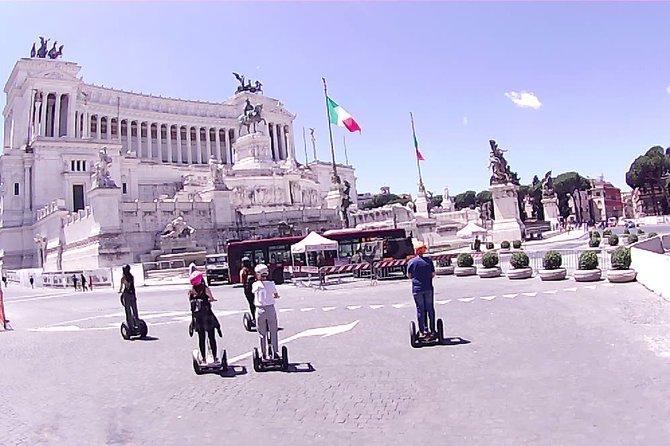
[[504, 250], [486, 273], [587, 275], [461, 271], [553, 274], [520, 273], [444, 270], [621, 275]]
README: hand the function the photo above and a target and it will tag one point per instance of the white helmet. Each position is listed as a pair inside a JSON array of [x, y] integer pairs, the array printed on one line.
[[262, 269]]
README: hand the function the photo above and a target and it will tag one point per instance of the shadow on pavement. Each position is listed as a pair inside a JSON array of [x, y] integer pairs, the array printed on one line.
[[454, 340], [300, 367], [147, 338], [232, 371]]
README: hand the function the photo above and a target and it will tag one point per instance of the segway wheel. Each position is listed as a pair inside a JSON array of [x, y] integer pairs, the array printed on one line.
[[144, 330], [284, 358], [440, 331], [257, 360], [246, 320], [224, 360], [412, 335], [125, 331], [196, 364]]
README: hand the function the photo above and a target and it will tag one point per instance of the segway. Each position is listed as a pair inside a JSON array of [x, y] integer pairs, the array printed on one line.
[[202, 365], [270, 363], [435, 338], [137, 331], [248, 322]]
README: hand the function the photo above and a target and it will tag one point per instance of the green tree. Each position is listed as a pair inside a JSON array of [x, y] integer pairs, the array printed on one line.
[[436, 200], [384, 199], [482, 197], [649, 171], [465, 200], [565, 184]]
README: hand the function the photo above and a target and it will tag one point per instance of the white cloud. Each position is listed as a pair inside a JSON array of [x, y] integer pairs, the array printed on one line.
[[524, 99], [667, 89], [465, 121]]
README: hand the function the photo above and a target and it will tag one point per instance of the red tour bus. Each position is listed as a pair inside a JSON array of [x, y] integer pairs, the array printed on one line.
[[276, 252]]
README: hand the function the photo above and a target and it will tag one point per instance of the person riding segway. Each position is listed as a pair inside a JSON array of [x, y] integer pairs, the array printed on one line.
[[421, 271], [133, 326], [265, 294], [247, 277], [205, 323]]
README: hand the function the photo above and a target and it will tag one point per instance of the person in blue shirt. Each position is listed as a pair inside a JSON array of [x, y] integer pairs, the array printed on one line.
[[421, 271]]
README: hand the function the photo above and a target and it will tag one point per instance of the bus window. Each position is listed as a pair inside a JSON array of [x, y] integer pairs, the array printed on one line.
[[259, 257], [346, 250], [279, 254]]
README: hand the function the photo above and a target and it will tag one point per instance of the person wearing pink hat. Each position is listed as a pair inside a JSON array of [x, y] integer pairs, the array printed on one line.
[[421, 271], [204, 321]]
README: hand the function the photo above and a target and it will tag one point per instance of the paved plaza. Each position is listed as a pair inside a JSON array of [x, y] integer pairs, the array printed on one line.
[[530, 363]]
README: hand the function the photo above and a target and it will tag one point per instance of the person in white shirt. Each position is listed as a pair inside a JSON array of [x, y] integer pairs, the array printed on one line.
[[265, 292]]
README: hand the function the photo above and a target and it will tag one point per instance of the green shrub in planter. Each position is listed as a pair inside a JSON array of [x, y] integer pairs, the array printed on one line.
[[607, 232], [632, 238], [594, 242], [516, 244], [489, 245], [443, 263], [519, 260], [652, 234], [504, 244], [464, 260], [595, 234], [552, 260], [613, 240], [640, 231], [621, 258], [490, 260], [588, 260]]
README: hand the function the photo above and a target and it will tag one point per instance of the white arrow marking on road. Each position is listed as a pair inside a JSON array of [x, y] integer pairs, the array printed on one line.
[[530, 294], [376, 307], [59, 328], [487, 297], [285, 310], [324, 332], [510, 296], [550, 292], [307, 309], [328, 308], [399, 305], [442, 302], [590, 287], [608, 285], [353, 307], [573, 289], [466, 299]]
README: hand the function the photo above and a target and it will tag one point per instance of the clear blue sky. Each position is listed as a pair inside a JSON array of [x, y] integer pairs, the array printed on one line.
[[600, 72]]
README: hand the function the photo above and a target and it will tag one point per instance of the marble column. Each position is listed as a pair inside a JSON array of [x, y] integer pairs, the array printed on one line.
[[189, 152], [168, 133], [198, 145], [98, 129], [217, 144], [43, 114], [159, 141], [56, 117], [150, 155], [179, 154], [208, 144], [129, 138], [138, 125]]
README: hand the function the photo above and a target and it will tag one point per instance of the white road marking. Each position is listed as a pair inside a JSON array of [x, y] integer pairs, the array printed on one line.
[[376, 307], [399, 305], [487, 297], [353, 307], [328, 308], [307, 309], [590, 287], [608, 285], [511, 296], [573, 289], [550, 292], [467, 299], [285, 310], [324, 332], [530, 294], [442, 302]]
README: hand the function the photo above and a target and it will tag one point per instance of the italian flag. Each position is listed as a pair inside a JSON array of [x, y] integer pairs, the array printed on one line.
[[340, 117], [416, 147]]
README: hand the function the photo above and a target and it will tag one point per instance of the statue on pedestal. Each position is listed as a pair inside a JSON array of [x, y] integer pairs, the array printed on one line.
[[216, 171], [498, 164], [251, 116], [346, 203], [548, 186], [257, 87], [101, 176]]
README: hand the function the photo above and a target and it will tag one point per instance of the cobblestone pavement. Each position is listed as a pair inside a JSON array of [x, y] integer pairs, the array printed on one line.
[[537, 363]]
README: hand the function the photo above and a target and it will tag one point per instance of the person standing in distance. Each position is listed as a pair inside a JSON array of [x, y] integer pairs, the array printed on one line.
[[421, 271]]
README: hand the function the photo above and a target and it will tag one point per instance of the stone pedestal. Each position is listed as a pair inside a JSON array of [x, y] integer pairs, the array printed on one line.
[[224, 212], [550, 206], [253, 151], [421, 203], [507, 224], [104, 203]]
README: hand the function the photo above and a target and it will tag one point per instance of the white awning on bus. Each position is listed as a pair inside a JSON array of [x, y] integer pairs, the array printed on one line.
[[314, 242]]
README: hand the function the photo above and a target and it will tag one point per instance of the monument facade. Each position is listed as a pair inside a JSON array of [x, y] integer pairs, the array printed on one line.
[[91, 176]]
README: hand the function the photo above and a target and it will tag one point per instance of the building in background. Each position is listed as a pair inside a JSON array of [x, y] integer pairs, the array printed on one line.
[[605, 200]]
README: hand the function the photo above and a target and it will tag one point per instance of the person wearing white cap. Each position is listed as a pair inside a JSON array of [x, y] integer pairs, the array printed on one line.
[[265, 292]]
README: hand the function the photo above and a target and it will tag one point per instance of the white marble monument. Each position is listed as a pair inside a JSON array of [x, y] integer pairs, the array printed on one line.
[[507, 224]]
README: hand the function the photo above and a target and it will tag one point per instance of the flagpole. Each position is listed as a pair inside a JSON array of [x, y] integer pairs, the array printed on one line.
[[336, 178], [418, 165], [304, 140], [346, 155]]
